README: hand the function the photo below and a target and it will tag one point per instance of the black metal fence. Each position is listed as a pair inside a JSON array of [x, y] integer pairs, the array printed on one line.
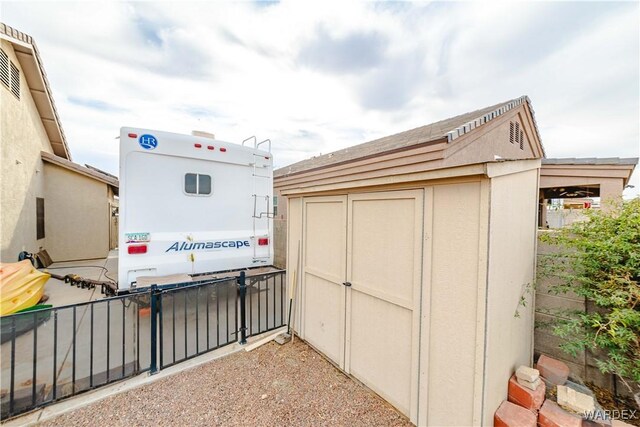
[[48, 355]]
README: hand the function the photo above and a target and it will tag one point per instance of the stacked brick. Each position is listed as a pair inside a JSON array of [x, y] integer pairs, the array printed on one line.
[[528, 406]]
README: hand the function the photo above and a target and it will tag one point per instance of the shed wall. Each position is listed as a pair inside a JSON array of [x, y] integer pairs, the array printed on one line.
[[449, 361], [22, 138], [76, 215], [512, 249], [294, 254], [464, 219], [497, 140]]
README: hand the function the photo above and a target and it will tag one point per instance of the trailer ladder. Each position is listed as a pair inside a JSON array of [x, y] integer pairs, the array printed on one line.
[[257, 213]]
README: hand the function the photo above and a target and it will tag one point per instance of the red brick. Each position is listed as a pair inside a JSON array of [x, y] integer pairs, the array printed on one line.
[[597, 423], [512, 415], [525, 397], [551, 415], [554, 371], [619, 423]]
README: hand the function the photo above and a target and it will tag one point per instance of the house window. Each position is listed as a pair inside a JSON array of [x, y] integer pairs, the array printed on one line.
[[197, 184], [39, 218], [275, 206]]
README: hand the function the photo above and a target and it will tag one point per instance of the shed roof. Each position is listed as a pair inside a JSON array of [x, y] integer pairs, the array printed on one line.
[[442, 131], [89, 171], [571, 168], [591, 161], [31, 63]]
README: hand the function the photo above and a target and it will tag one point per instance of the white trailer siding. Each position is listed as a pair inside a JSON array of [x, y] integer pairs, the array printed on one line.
[[183, 232]]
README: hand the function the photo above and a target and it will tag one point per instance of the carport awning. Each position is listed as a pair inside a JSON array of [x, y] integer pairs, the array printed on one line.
[[571, 192]]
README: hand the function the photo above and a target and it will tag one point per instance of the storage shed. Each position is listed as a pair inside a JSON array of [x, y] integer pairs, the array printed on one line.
[[413, 253]]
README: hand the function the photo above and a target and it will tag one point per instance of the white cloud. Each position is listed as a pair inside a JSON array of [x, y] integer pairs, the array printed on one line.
[[319, 76]]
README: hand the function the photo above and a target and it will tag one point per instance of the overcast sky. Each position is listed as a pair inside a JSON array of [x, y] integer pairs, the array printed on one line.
[[319, 76]]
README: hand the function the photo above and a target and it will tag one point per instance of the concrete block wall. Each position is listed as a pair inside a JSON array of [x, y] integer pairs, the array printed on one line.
[[547, 306]]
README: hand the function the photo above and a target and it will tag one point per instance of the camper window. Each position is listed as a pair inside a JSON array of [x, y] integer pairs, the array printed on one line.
[[191, 183], [204, 184], [197, 184]]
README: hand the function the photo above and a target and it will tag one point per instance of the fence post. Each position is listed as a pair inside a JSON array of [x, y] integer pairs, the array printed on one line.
[[154, 329], [243, 314]]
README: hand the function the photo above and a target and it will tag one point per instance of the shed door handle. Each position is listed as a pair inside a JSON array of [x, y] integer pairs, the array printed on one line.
[[347, 284]]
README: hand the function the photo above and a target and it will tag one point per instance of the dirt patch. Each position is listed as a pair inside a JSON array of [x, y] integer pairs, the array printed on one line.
[[611, 402], [272, 385]]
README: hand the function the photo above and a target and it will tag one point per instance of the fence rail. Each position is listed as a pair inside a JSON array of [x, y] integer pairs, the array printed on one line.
[[52, 354]]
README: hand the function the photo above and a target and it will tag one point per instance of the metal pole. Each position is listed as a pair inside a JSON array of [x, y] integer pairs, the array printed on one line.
[[243, 314], [154, 333]]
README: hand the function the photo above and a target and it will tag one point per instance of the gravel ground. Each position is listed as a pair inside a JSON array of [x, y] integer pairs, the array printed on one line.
[[271, 385]]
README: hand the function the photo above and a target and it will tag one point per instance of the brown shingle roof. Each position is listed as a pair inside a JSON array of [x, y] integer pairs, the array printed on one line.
[[444, 130]]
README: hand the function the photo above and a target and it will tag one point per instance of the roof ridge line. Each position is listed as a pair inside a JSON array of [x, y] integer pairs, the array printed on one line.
[[487, 117]]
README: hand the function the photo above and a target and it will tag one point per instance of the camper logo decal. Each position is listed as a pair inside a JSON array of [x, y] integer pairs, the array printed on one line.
[[208, 246], [148, 142]]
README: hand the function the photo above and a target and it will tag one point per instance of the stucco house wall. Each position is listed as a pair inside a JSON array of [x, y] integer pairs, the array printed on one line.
[[76, 215], [35, 163], [23, 137]]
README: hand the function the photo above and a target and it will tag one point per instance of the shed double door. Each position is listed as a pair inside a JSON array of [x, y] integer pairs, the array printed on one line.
[[362, 258]]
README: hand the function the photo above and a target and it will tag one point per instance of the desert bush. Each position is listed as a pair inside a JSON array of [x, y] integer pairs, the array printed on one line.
[[599, 259]]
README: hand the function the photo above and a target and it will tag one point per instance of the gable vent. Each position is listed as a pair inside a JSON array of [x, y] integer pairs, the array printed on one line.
[[511, 132], [15, 81], [4, 68], [521, 140]]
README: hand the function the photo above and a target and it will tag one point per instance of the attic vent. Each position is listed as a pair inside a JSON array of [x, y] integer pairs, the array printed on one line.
[[4, 68], [15, 81], [521, 140], [516, 135]]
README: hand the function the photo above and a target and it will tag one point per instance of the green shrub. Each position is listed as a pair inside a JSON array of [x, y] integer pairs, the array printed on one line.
[[599, 259]]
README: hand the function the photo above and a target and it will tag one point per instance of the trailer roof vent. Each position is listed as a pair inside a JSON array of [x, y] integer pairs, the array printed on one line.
[[203, 134]]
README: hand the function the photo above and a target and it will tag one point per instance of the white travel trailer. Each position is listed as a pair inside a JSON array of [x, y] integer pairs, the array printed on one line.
[[192, 204]]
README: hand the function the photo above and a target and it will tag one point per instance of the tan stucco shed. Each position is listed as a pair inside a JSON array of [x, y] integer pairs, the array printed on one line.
[[412, 254]]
